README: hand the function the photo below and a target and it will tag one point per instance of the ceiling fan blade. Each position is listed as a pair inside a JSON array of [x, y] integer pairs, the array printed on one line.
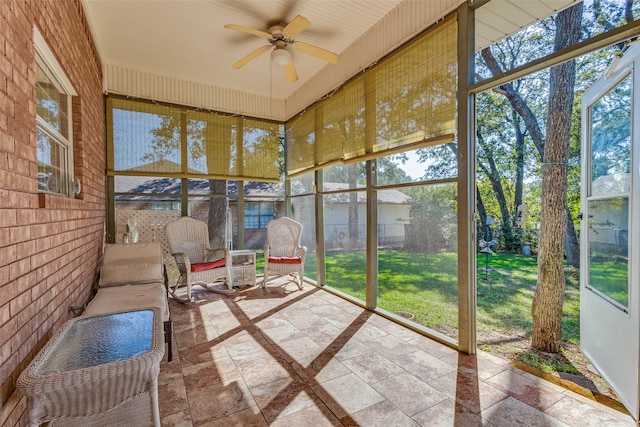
[[250, 57], [296, 26], [316, 51], [248, 30], [290, 72]]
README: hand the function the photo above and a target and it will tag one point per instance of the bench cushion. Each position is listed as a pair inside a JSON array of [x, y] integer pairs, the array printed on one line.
[[131, 264], [128, 297]]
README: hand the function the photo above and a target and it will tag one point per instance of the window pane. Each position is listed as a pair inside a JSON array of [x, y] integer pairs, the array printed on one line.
[[148, 137], [609, 248], [417, 258], [303, 184], [254, 188], [342, 177], [214, 212], [345, 236], [145, 184], [199, 186], [611, 141], [394, 214], [392, 104], [258, 214], [303, 211], [146, 142], [423, 164], [528, 43], [51, 104], [52, 165], [147, 203]]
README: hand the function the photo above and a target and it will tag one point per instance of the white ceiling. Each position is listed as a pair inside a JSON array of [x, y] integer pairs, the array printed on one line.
[[186, 40]]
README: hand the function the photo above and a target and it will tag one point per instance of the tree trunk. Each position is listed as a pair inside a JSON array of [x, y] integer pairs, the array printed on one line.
[[352, 170], [549, 296], [483, 215], [491, 171], [518, 196], [571, 243], [217, 220]]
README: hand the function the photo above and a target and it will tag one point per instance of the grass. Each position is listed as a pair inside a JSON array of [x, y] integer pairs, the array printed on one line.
[[548, 364], [426, 286], [610, 276]]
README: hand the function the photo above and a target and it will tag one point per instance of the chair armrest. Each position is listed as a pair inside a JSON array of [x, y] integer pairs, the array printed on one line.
[[214, 254], [182, 260], [303, 252], [266, 252]]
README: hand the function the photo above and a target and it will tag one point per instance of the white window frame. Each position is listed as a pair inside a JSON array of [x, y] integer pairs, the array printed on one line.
[[48, 62]]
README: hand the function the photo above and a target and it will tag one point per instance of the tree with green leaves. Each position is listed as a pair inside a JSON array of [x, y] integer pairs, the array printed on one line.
[[167, 140]]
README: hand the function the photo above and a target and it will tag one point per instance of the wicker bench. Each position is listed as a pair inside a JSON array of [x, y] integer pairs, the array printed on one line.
[[133, 277]]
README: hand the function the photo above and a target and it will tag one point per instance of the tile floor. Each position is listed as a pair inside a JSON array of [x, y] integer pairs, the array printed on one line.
[[284, 357]]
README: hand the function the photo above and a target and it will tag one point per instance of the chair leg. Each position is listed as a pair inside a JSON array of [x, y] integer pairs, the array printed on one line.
[[174, 288], [168, 338]]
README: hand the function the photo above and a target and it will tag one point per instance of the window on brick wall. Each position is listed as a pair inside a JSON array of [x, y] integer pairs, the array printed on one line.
[[258, 214], [54, 135]]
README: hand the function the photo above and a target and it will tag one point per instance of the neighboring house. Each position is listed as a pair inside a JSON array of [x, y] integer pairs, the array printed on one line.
[[605, 230], [394, 211], [264, 202]]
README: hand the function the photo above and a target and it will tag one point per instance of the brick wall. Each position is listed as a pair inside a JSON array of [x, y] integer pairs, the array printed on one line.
[[49, 245]]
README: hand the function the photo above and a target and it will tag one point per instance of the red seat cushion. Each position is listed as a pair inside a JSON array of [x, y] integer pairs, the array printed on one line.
[[285, 260], [204, 266]]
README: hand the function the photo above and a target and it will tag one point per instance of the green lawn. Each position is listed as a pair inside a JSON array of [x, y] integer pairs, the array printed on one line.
[[611, 277]]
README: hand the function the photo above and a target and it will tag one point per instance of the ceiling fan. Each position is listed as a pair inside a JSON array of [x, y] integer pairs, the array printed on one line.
[[280, 36]]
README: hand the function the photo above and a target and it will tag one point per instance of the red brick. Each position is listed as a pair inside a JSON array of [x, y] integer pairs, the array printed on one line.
[[4, 121], [7, 143], [7, 329], [19, 268], [8, 218], [20, 303]]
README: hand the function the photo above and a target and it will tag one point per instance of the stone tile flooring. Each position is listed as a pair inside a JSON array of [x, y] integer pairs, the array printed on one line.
[[284, 357]]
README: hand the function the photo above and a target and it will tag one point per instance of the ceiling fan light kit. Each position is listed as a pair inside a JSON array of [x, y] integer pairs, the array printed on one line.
[[280, 56], [279, 37]]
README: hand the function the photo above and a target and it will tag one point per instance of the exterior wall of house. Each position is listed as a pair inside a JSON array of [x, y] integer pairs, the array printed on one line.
[[49, 245], [391, 219]]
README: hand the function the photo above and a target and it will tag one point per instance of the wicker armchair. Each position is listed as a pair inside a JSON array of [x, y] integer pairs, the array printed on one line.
[[283, 253], [197, 262]]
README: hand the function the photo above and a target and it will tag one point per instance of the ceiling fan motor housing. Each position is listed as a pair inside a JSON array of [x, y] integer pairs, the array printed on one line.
[[277, 34]]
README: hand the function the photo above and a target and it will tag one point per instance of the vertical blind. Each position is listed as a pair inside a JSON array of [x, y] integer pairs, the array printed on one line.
[[146, 138], [407, 99]]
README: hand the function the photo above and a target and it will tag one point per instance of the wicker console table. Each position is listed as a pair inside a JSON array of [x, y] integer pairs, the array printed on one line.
[[98, 370], [243, 268]]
